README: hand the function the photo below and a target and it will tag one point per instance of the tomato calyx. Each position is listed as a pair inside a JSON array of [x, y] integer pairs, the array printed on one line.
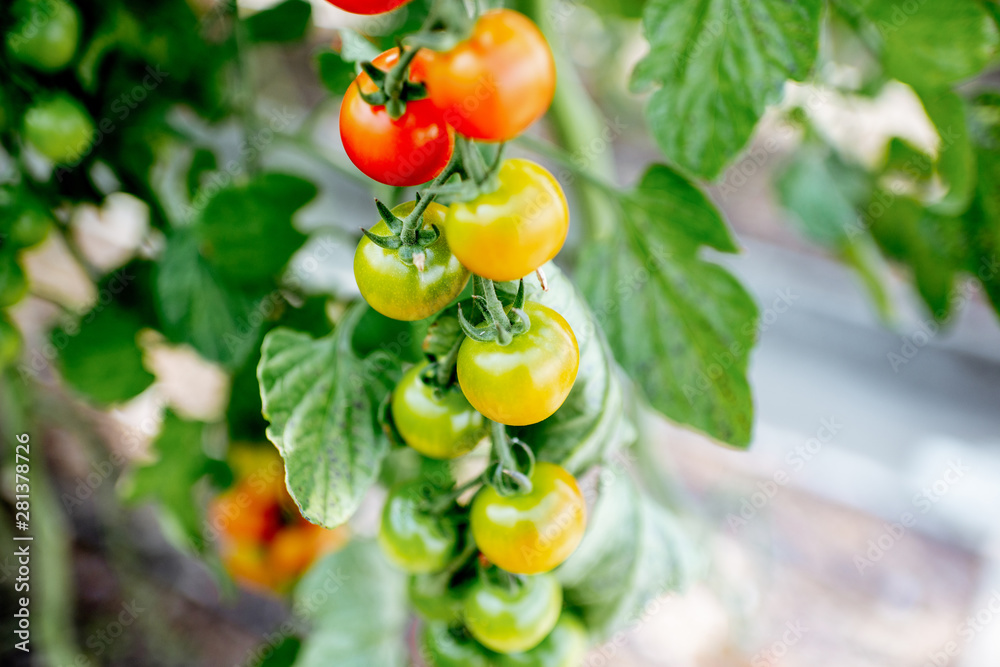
[[394, 87], [408, 236], [500, 326]]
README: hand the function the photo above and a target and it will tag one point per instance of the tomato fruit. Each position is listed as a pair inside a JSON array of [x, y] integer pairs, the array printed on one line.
[[247, 562], [442, 647], [513, 618], [368, 7], [46, 38], [433, 599], [532, 532], [403, 152], [29, 227], [398, 290], [437, 423], [246, 512], [526, 381], [506, 234], [60, 128], [297, 546], [495, 84], [415, 540], [566, 646]]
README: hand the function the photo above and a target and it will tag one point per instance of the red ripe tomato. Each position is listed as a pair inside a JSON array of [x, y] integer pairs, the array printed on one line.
[[404, 152], [495, 84], [368, 6]]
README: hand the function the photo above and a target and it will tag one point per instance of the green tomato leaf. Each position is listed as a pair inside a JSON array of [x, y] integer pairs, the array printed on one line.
[[820, 192], [930, 245], [634, 550], [956, 157], [238, 220], [680, 326], [286, 22], [716, 65], [354, 48], [914, 51], [197, 308], [357, 605], [99, 356], [171, 480], [335, 72], [322, 400], [982, 220], [202, 162], [592, 423]]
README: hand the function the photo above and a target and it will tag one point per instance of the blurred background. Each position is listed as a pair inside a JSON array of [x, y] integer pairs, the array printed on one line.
[[860, 528]]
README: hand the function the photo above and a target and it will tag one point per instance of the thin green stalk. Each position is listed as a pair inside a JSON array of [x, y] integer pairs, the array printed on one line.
[[446, 366], [411, 223], [442, 503], [579, 126]]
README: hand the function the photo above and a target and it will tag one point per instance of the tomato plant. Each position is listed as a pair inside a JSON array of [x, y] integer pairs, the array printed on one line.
[[174, 200], [496, 83], [405, 151]]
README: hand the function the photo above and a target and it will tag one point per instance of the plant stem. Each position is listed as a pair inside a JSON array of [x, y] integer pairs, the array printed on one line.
[[411, 223], [442, 503], [493, 304], [579, 126], [446, 366], [501, 446]]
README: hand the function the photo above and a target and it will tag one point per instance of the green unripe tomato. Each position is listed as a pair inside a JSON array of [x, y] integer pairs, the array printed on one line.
[[437, 423], [397, 289], [29, 227], [60, 128], [566, 646], [47, 35], [415, 540], [13, 285], [10, 342], [440, 647], [434, 600], [515, 618]]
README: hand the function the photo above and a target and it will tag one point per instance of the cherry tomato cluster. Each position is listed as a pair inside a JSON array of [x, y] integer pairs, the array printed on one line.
[[46, 38], [481, 571], [264, 541]]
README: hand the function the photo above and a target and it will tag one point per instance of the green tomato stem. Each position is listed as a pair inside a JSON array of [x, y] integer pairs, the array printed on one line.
[[446, 366], [442, 503], [497, 313], [507, 461], [579, 125], [412, 222]]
